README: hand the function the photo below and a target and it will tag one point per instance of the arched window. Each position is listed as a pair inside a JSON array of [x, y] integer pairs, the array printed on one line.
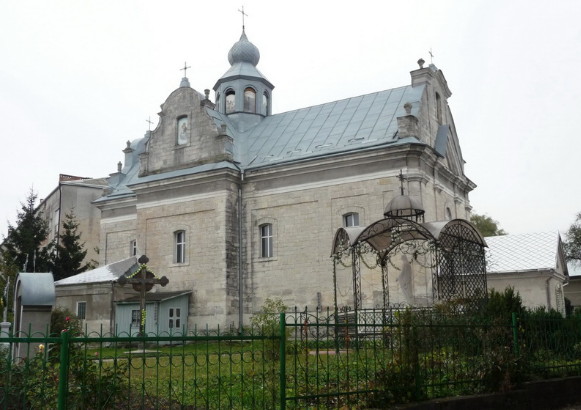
[[351, 219], [180, 247], [230, 101], [265, 103], [266, 250], [438, 108], [249, 100]]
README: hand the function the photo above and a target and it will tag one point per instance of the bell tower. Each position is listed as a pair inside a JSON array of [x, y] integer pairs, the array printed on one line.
[[243, 93]]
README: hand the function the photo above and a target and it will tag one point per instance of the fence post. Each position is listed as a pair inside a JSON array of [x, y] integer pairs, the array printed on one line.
[[515, 334], [63, 371], [282, 359]]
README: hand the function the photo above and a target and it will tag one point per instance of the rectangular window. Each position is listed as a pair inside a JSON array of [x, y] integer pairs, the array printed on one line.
[[266, 241], [133, 248], [351, 219], [175, 318], [82, 310], [135, 318], [180, 247]]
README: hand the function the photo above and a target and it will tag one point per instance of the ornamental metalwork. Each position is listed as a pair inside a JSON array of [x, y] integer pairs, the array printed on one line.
[[451, 252]]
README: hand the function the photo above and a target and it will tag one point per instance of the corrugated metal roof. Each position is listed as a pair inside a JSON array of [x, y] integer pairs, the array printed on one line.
[[532, 251], [107, 273]]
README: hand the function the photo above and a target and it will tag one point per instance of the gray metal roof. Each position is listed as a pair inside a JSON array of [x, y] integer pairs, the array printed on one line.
[[107, 273], [353, 124], [532, 251], [345, 125]]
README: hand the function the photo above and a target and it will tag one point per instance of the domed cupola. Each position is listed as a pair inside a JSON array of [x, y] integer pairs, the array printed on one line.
[[403, 206], [244, 51], [243, 93]]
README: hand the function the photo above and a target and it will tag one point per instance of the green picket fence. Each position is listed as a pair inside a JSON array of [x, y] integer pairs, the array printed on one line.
[[368, 358]]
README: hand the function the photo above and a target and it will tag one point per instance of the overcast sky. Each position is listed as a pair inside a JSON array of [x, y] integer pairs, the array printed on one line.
[[79, 78]]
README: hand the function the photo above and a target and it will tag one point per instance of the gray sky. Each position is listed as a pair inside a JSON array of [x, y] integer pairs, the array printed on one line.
[[79, 78]]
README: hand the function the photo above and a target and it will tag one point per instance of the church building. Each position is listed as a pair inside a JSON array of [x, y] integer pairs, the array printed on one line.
[[235, 204]]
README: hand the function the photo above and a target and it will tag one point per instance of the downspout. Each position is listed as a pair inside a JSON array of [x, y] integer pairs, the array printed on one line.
[[112, 314], [58, 231], [240, 281]]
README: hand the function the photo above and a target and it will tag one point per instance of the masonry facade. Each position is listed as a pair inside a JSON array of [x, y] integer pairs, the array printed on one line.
[[237, 204]]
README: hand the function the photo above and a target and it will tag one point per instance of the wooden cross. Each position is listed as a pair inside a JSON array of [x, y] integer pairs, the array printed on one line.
[[185, 69], [243, 14], [401, 179], [142, 281], [148, 120]]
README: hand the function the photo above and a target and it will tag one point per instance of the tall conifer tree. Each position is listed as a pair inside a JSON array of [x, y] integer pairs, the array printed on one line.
[[23, 246], [70, 252]]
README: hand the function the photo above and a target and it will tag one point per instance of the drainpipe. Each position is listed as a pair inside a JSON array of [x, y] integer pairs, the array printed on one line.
[[240, 281]]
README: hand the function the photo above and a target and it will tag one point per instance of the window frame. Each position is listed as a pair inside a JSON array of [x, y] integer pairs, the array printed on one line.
[[174, 321], [179, 245], [135, 318], [351, 219], [249, 100], [230, 97], [266, 234], [133, 247], [84, 310]]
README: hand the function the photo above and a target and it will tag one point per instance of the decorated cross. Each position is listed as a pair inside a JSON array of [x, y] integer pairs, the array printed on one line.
[[142, 281]]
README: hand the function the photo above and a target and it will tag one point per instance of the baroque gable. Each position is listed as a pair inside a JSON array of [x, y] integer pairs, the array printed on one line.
[[185, 137]]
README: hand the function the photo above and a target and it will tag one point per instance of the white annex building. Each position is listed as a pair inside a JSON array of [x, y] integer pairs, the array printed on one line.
[[235, 204], [533, 264]]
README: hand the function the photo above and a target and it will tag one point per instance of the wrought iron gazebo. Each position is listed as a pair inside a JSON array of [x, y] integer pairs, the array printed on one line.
[[451, 251]]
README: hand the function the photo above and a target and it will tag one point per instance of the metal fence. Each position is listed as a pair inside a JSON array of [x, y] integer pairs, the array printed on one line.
[[309, 360]]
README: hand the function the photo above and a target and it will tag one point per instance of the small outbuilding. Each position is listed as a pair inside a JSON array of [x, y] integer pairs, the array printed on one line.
[[533, 264]]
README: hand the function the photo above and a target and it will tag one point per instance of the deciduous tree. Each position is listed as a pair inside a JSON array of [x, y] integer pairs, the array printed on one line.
[[573, 240], [486, 225]]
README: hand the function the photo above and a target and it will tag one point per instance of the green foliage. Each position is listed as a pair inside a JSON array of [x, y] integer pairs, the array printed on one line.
[[267, 323], [501, 305], [486, 225], [90, 383], [23, 246], [70, 252], [64, 320], [573, 240], [267, 319]]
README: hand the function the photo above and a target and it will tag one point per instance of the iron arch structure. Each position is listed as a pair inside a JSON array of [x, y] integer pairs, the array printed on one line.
[[453, 251]]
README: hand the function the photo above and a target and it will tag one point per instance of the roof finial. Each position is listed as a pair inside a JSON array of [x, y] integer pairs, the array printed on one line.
[[243, 14], [148, 120], [185, 69], [401, 179]]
